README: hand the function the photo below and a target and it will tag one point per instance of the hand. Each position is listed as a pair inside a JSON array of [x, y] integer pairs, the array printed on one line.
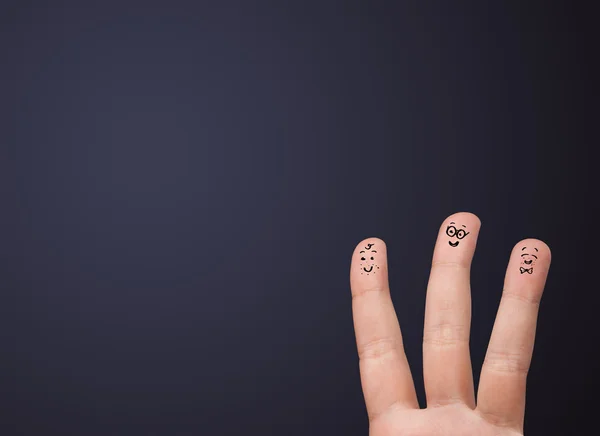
[[451, 410]]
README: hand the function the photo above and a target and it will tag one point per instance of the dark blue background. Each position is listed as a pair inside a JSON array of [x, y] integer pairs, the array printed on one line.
[[183, 184]]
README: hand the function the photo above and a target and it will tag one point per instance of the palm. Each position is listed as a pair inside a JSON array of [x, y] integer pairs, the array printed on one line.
[[450, 420], [451, 406]]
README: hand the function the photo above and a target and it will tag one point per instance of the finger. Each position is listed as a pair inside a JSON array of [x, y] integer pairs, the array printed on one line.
[[446, 360], [385, 375], [501, 394]]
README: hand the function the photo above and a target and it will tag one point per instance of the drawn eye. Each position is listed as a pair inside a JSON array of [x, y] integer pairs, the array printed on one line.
[[461, 234], [372, 258], [362, 258], [451, 231]]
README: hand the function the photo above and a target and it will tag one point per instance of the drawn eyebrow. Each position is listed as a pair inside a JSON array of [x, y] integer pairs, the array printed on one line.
[[524, 254], [362, 251], [523, 248], [452, 222], [373, 251], [464, 226], [535, 249]]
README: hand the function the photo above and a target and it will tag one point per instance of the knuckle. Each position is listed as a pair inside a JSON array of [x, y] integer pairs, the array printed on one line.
[[359, 293], [494, 418], [507, 362], [452, 265], [445, 334], [532, 298], [377, 348]]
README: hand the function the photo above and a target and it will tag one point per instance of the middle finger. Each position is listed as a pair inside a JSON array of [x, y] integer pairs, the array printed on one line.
[[446, 360]]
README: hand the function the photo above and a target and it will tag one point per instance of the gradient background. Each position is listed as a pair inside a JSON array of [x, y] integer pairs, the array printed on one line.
[[183, 184]]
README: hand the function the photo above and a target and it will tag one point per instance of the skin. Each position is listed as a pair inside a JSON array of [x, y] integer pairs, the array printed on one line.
[[452, 410]]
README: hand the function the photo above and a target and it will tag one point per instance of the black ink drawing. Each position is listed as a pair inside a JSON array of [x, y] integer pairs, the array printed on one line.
[[368, 260], [528, 260], [452, 231]]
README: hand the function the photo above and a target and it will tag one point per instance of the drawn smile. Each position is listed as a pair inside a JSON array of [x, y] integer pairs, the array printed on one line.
[[367, 257], [453, 244], [528, 262]]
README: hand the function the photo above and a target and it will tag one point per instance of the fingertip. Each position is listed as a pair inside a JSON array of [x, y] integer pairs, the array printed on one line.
[[537, 246], [369, 261], [530, 256], [457, 239], [369, 244], [466, 218]]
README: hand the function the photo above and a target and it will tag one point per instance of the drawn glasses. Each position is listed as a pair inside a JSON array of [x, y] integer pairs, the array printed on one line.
[[452, 231]]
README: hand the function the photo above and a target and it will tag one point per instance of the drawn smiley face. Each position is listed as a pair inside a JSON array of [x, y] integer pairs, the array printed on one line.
[[527, 259], [368, 259], [459, 233]]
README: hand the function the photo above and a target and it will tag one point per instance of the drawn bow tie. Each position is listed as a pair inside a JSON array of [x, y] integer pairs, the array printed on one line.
[[526, 270]]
